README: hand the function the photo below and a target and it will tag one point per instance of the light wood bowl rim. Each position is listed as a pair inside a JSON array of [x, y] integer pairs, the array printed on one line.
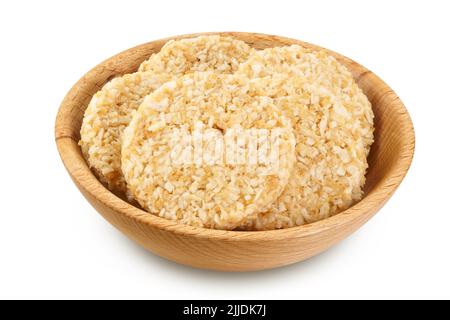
[[69, 152]]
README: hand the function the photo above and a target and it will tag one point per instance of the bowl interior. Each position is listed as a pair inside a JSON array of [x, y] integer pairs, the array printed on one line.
[[390, 155]]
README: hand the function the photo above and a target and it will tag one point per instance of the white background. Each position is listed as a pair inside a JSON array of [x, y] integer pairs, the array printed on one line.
[[54, 245]]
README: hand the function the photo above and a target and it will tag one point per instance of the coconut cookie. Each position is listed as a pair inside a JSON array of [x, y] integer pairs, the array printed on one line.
[[204, 53], [107, 115], [333, 126], [163, 153]]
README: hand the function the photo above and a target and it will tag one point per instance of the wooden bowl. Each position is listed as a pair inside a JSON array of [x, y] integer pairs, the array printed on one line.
[[389, 160]]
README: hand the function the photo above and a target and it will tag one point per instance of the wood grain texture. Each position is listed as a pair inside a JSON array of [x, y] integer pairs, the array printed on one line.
[[389, 160]]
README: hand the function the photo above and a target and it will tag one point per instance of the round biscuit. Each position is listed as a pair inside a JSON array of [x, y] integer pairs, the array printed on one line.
[[204, 53], [105, 119], [333, 127], [220, 194]]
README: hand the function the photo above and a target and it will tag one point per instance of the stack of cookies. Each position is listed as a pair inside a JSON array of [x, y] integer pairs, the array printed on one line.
[[212, 133]]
